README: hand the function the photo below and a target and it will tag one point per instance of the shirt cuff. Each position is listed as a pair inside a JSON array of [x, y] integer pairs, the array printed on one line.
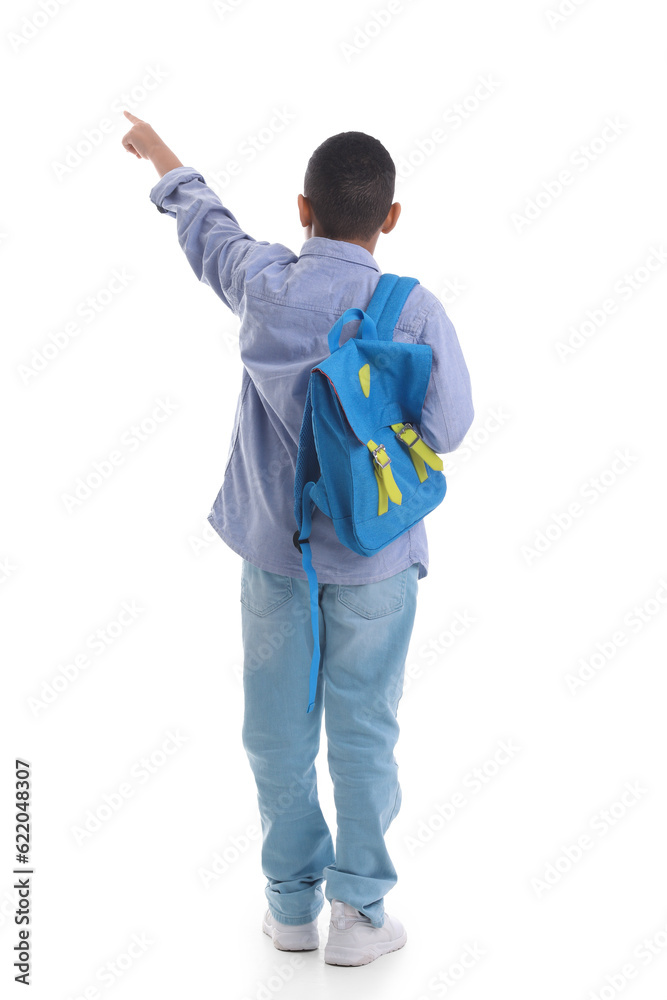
[[169, 182]]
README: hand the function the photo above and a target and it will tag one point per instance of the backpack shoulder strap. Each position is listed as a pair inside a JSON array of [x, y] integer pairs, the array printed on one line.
[[383, 290], [387, 302]]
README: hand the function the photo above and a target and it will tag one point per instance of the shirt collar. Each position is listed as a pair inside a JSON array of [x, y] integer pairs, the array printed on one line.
[[322, 247]]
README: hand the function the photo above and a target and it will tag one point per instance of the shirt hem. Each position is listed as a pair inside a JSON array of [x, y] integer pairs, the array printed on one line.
[[323, 576]]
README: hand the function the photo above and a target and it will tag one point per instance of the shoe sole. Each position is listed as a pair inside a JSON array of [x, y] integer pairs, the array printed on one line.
[[343, 956], [268, 930]]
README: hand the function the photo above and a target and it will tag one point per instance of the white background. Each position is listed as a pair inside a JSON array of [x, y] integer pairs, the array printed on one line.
[[549, 426]]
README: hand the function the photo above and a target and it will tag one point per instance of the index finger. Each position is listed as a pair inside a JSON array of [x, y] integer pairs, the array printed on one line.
[[131, 116]]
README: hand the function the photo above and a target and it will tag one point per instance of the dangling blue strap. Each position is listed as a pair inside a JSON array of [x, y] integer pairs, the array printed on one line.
[[306, 559]]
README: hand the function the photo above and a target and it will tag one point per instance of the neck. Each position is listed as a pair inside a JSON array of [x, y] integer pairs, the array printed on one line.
[[366, 244]]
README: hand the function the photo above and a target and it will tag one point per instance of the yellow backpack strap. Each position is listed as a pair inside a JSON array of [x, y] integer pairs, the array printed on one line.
[[387, 488], [420, 453], [383, 496]]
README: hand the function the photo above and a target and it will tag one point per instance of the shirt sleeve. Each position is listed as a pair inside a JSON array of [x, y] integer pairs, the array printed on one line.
[[218, 250], [448, 410]]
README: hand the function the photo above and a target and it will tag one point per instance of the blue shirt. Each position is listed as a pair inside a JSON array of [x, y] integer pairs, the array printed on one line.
[[287, 303]]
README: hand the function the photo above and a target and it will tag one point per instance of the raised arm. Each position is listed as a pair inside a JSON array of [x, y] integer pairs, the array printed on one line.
[[216, 247]]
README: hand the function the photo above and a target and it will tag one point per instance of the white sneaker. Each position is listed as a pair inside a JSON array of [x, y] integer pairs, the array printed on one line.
[[354, 941], [291, 937]]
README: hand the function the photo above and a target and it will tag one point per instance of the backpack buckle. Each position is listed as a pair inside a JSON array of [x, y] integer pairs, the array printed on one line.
[[297, 540], [374, 453], [409, 427]]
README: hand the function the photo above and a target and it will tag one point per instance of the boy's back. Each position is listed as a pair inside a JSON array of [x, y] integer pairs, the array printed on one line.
[[287, 305]]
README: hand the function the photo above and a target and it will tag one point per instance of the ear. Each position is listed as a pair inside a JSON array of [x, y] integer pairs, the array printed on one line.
[[392, 218], [305, 211]]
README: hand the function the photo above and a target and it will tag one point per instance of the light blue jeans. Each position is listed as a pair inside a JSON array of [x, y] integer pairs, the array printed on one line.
[[364, 634]]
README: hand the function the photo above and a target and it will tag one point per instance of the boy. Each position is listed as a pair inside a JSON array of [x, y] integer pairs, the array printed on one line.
[[287, 305]]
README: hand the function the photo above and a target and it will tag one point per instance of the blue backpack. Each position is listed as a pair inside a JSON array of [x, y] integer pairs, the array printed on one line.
[[361, 459]]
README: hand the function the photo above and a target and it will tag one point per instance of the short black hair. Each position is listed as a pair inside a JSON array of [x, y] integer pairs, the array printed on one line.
[[349, 182]]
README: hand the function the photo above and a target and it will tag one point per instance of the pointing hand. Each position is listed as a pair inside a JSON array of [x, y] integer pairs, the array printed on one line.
[[141, 140]]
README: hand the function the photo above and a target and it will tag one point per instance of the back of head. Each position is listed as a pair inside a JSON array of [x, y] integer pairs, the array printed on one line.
[[349, 183]]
